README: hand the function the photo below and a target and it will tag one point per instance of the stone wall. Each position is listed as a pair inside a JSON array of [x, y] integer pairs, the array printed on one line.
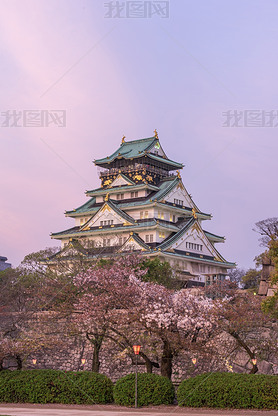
[[68, 352]]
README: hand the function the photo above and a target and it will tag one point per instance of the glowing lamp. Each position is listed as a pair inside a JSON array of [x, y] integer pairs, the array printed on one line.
[[34, 361], [136, 349], [254, 361], [83, 361], [194, 360]]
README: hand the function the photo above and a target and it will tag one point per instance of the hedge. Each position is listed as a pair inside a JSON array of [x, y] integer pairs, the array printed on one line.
[[152, 390], [229, 390], [52, 386]]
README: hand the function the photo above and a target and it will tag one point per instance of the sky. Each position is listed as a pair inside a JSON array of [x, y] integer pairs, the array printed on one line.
[[77, 75]]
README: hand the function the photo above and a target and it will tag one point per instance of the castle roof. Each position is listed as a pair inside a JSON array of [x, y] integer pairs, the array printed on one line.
[[156, 196], [137, 149]]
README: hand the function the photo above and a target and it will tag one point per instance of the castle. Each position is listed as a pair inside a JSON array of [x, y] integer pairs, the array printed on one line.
[[143, 206]]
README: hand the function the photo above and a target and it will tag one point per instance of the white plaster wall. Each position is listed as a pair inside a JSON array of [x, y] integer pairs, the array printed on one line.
[[180, 194], [135, 213]]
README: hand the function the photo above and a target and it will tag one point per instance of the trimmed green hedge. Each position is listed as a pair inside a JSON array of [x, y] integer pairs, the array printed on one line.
[[229, 390], [152, 389], [51, 386]]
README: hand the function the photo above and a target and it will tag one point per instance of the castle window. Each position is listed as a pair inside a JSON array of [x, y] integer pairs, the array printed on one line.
[[134, 194], [141, 215], [121, 241], [106, 242], [178, 201], [106, 222], [193, 246], [149, 238], [120, 196], [146, 215], [160, 215], [161, 234], [202, 268]]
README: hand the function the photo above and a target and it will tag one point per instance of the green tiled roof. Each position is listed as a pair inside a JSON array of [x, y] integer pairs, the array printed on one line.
[[84, 208], [204, 260], [167, 161], [164, 187], [115, 208], [138, 240], [104, 191], [214, 236], [137, 149], [172, 239], [78, 231], [140, 224]]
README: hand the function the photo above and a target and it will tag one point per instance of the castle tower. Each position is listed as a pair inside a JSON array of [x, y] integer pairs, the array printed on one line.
[[143, 206]]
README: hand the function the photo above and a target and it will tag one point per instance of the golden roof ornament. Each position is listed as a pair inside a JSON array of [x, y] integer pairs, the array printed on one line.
[[106, 197], [194, 213], [155, 134], [178, 174], [123, 139]]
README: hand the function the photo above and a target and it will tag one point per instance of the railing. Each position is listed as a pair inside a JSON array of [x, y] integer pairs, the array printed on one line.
[[134, 168]]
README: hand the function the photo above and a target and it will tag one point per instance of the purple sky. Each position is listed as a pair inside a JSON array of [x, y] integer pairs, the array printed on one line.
[[116, 76]]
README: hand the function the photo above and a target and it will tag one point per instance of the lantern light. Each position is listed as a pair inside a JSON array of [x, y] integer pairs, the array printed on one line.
[[194, 360], [83, 361], [34, 361], [136, 349], [254, 361]]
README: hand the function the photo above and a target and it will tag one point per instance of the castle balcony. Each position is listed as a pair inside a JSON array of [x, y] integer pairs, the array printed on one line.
[[137, 167]]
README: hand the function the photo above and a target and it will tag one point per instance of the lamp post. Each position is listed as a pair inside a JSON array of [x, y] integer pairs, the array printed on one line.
[[136, 349]]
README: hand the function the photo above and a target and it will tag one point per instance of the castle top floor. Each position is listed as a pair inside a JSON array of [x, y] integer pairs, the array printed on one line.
[[143, 161]]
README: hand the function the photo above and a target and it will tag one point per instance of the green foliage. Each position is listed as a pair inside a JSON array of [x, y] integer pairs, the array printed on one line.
[[152, 390], [273, 252], [229, 390], [270, 305], [51, 386], [251, 280], [160, 272]]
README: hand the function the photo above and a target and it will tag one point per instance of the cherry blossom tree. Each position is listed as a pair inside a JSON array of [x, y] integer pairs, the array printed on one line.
[[178, 319], [239, 315], [106, 295], [114, 302]]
